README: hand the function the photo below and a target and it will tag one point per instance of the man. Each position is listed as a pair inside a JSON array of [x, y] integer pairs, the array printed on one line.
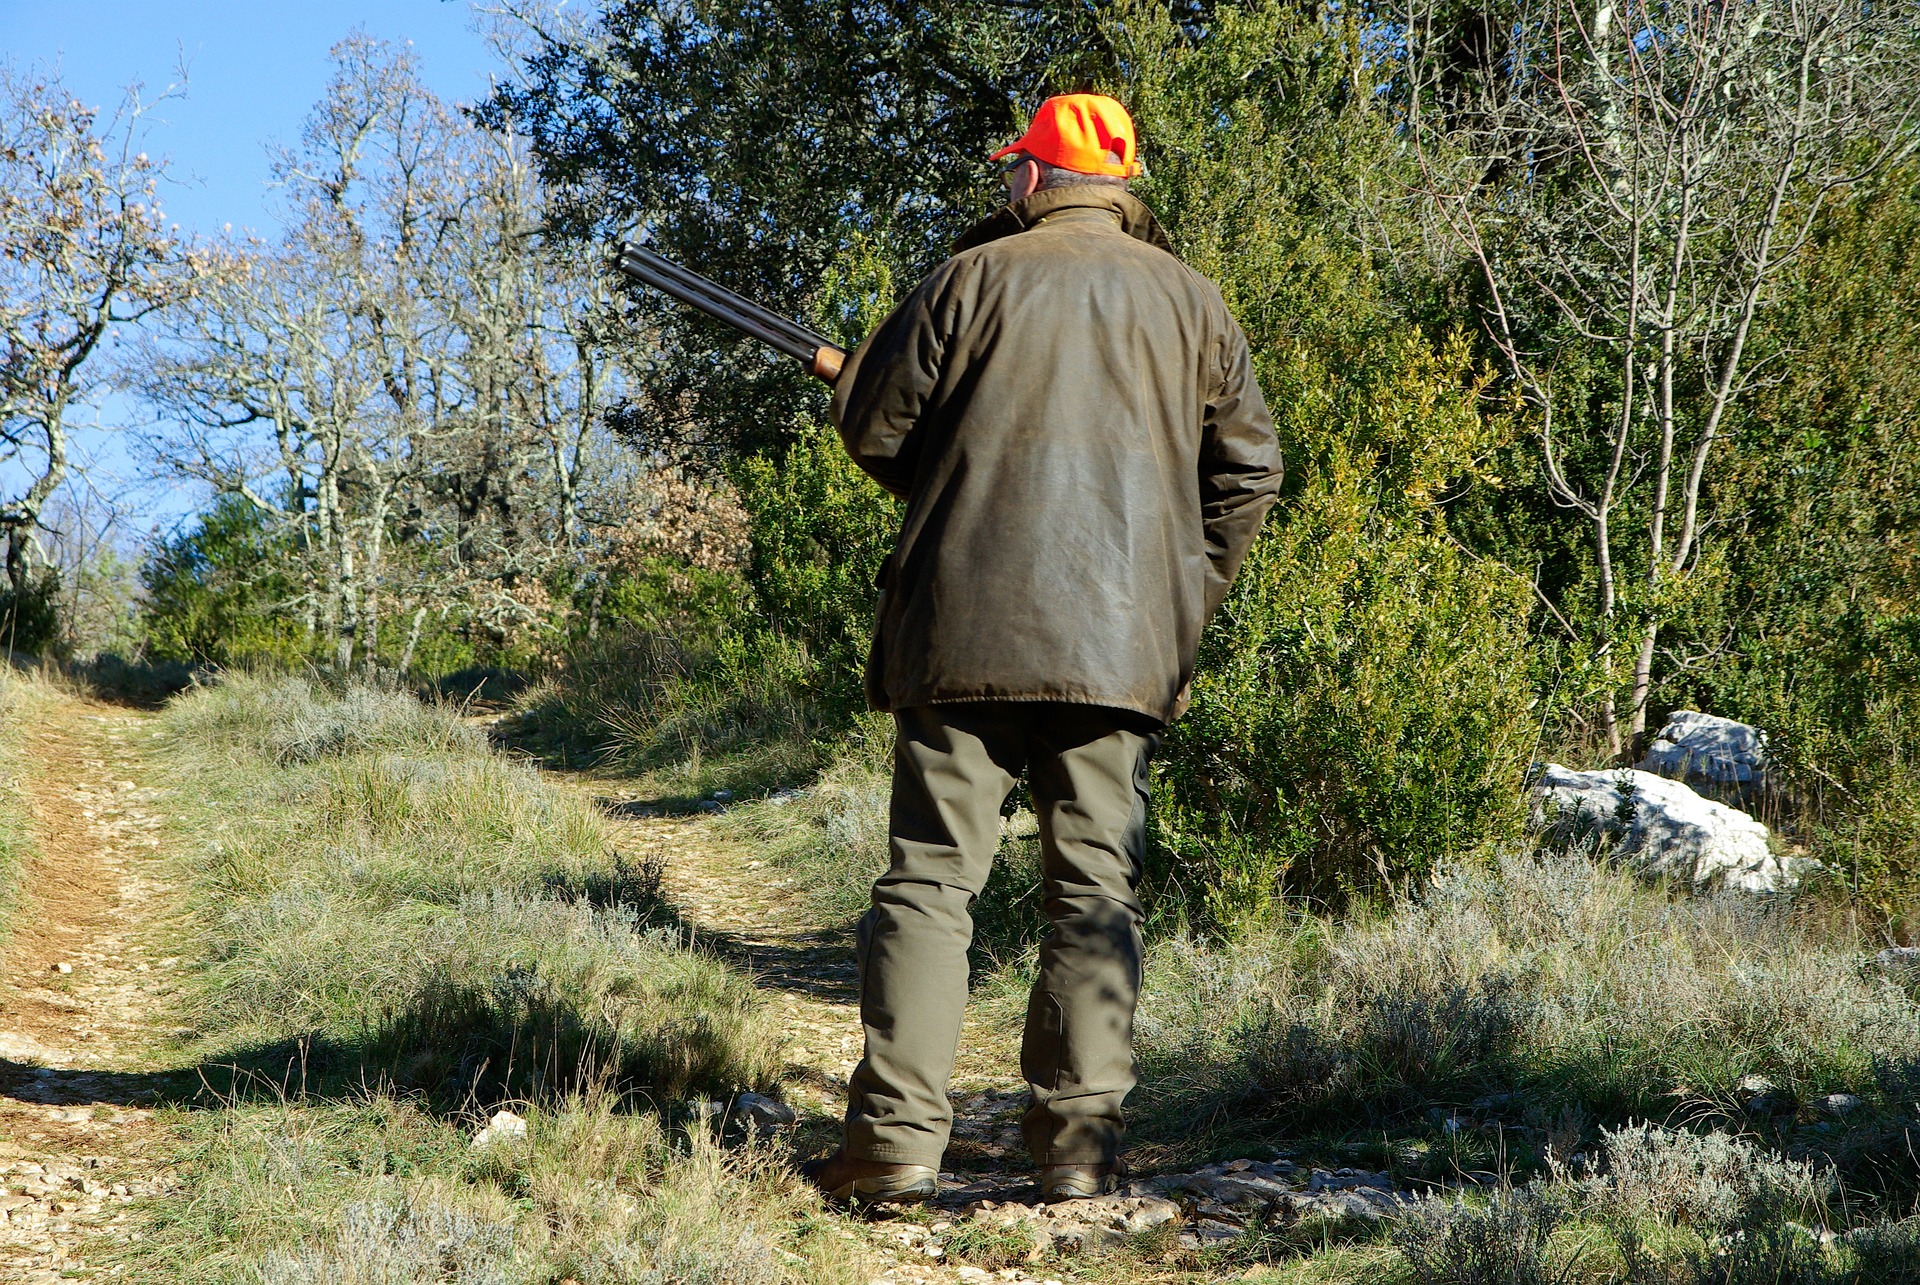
[[1070, 415]]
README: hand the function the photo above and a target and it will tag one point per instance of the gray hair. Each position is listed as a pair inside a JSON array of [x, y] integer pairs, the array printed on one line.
[[1052, 176]]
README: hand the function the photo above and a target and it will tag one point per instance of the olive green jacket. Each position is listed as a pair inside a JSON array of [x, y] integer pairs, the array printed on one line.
[[1070, 414]]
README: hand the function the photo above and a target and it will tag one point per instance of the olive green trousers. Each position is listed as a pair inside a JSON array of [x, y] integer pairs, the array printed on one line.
[[954, 765]]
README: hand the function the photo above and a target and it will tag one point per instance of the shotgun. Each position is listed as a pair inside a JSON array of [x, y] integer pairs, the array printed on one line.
[[815, 351]]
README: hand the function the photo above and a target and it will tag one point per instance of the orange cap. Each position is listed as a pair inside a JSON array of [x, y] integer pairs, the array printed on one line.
[[1082, 133]]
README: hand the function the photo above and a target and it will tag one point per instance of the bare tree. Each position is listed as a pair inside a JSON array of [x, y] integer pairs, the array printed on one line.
[[409, 381], [83, 249], [1633, 183]]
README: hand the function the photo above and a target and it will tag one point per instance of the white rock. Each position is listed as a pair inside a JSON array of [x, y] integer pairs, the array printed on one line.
[[1661, 828], [1898, 959], [1713, 755], [505, 1126], [763, 1114]]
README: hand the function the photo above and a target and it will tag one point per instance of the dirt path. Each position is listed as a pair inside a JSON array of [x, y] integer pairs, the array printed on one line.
[[744, 909], [82, 989]]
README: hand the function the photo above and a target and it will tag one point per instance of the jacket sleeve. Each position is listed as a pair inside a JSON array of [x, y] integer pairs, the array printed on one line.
[[884, 388], [1240, 467]]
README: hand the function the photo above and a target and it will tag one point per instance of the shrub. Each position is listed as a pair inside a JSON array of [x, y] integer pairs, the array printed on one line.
[[1707, 1180], [216, 592], [1887, 1254], [820, 530], [1771, 1253], [1503, 1242], [30, 616], [390, 1241], [1553, 978]]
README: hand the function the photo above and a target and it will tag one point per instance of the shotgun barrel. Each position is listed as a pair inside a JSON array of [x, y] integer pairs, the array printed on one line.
[[820, 355]]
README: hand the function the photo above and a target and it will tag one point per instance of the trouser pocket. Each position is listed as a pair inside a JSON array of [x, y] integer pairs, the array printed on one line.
[[1043, 1045]]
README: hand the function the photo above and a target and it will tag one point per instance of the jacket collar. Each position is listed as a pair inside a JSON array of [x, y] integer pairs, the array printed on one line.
[[1136, 220]]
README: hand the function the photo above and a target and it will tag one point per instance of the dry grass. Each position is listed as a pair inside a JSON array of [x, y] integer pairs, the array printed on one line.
[[378, 880], [25, 695], [403, 929], [1551, 977], [377, 1191]]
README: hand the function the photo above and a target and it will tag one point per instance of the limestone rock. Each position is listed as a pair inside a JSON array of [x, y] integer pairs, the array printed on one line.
[[1714, 756], [762, 1114], [1662, 829], [1898, 959], [505, 1126]]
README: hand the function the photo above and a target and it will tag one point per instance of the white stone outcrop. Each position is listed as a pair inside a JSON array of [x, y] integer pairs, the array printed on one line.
[[1713, 755], [1661, 828]]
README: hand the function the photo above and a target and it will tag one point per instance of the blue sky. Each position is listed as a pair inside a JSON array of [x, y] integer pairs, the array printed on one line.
[[253, 71]]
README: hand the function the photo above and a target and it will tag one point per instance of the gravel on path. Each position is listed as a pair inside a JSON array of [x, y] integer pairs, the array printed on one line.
[[82, 984]]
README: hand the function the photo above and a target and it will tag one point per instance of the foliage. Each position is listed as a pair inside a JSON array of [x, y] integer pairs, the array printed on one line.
[[689, 123], [1360, 709], [1503, 1242], [218, 592], [25, 697], [820, 531], [29, 614], [1620, 270], [1818, 639]]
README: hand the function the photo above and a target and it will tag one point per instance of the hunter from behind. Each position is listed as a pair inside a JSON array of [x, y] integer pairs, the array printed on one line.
[[1070, 414]]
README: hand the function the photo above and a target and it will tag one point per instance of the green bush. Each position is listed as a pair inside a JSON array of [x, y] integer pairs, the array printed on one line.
[[1361, 709], [820, 530], [1501, 1242], [216, 592], [30, 617]]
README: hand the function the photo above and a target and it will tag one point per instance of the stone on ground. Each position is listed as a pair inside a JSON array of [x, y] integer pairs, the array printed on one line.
[[1712, 755], [1662, 829]]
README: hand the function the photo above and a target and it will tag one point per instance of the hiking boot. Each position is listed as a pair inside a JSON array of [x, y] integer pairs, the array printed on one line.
[[848, 1180], [1080, 1182]]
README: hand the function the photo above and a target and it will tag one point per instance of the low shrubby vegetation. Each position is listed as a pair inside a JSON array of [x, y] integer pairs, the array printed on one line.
[[404, 930], [23, 695], [385, 884], [1537, 995], [375, 1190]]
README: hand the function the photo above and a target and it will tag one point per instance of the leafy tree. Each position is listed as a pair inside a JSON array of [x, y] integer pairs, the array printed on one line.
[[409, 381], [218, 591], [754, 142], [1632, 185], [84, 249]]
